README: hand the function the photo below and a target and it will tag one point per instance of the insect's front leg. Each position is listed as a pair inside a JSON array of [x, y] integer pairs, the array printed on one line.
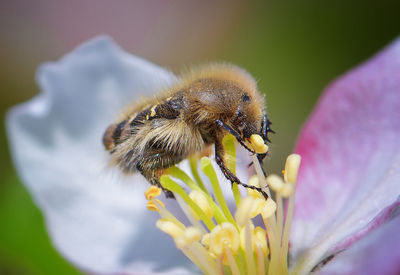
[[226, 127], [219, 153], [265, 128]]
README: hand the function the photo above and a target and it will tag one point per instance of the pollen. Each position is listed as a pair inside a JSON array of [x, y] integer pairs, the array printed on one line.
[[258, 144], [153, 111], [219, 239], [152, 192]]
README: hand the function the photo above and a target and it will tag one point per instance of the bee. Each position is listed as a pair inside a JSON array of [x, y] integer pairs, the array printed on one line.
[[206, 104]]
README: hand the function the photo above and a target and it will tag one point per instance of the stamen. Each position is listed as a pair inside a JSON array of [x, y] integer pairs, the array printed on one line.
[[151, 205], [190, 214], [260, 260], [169, 227], [287, 190], [266, 208], [292, 168], [169, 184], [188, 236], [257, 144], [232, 263], [193, 161], [215, 241], [192, 234], [223, 237], [275, 182], [230, 158], [200, 199], [152, 192], [248, 244], [254, 181], [279, 186], [206, 167], [260, 240]]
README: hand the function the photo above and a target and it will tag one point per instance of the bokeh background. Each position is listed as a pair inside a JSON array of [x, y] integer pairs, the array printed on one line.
[[293, 48]]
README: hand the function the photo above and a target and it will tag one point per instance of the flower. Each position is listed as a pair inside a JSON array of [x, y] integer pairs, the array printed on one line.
[[347, 197], [217, 239]]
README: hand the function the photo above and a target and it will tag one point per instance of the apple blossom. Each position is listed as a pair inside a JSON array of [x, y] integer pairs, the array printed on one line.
[[348, 183]]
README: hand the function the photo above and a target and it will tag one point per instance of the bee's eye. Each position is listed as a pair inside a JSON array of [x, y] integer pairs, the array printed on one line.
[[245, 97]]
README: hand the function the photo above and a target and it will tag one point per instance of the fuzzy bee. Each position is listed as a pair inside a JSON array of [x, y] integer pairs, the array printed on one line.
[[198, 111]]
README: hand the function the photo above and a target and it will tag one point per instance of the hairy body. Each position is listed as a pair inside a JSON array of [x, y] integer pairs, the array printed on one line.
[[198, 111]]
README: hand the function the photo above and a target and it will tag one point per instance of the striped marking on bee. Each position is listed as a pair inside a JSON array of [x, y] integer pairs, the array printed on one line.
[[153, 111]]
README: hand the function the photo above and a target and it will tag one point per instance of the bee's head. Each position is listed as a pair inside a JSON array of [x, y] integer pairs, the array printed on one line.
[[251, 123], [247, 119]]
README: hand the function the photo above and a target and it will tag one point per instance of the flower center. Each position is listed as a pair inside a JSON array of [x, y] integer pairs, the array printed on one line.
[[224, 241]]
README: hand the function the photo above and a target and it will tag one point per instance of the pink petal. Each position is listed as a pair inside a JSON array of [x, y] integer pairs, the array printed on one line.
[[350, 150], [377, 253]]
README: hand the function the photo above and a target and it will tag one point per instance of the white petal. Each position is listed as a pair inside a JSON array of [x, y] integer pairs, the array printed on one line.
[[96, 218]]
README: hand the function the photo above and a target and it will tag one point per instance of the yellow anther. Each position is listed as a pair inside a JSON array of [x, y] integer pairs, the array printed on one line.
[[292, 167], [268, 208], [260, 239], [242, 214], [202, 202], [152, 192], [160, 203], [260, 206], [243, 237], [258, 144], [189, 236], [224, 236], [192, 234], [254, 181], [275, 182], [287, 190], [170, 228], [152, 206], [206, 240], [180, 242]]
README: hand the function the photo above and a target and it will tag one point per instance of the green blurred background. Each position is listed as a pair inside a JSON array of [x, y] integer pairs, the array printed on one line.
[[293, 48]]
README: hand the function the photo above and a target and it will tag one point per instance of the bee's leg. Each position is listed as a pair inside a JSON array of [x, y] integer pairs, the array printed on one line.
[[152, 177], [234, 133], [260, 158], [153, 161], [219, 152]]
